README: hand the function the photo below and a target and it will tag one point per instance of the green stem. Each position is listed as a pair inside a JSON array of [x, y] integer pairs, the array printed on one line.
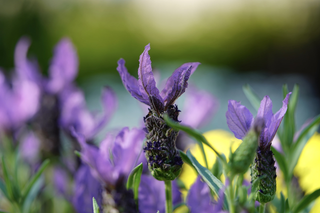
[[231, 196], [168, 196], [262, 207]]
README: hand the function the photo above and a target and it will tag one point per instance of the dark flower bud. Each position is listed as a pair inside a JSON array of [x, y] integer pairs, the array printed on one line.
[[163, 158], [263, 175]]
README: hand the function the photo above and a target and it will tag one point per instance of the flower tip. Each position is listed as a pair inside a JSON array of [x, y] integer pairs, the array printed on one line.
[[121, 61]]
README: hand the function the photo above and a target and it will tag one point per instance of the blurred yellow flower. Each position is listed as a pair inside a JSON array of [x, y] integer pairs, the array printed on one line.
[[221, 140], [308, 169]]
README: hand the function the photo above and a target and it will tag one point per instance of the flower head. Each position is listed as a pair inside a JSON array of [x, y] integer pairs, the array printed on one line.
[[145, 89], [74, 112], [164, 160], [263, 171], [112, 163], [240, 120]]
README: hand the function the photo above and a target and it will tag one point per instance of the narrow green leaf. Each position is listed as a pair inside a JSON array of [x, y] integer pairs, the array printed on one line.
[[7, 180], [34, 179], [252, 96], [186, 159], [32, 195], [3, 212], [3, 188], [214, 183], [134, 180], [200, 139], [306, 200], [217, 168], [281, 161], [77, 153], [302, 140], [95, 206]]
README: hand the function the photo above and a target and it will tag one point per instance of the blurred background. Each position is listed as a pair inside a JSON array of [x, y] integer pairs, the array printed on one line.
[[263, 43]]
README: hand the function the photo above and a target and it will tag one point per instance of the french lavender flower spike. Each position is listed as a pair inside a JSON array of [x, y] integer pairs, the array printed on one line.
[[241, 159], [163, 158]]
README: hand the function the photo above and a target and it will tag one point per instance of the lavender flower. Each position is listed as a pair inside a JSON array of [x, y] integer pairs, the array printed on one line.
[[19, 102], [240, 120], [111, 164], [86, 187], [199, 198], [198, 109], [62, 71], [164, 160], [152, 196], [74, 112]]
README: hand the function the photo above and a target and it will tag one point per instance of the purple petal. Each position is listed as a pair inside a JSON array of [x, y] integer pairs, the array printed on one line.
[[29, 148], [199, 198], [86, 187], [61, 181], [239, 119], [109, 102], [132, 84], [128, 146], [152, 196], [64, 66], [265, 109], [146, 78], [27, 70], [178, 82], [276, 119], [199, 108]]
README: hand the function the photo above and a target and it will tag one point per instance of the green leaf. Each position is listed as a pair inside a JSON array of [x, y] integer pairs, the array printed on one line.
[[7, 180], [306, 200], [77, 153], [252, 96], [281, 162], [214, 183], [134, 180], [217, 168], [186, 159], [34, 179], [32, 195], [289, 118], [95, 206], [3, 212], [200, 139], [3, 188], [302, 140]]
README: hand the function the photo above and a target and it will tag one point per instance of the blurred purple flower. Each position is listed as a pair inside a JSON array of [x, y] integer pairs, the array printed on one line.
[[85, 188], [152, 196], [239, 119], [145, 89], [62, 71], [29, 148], [74, 112], [116, 155], [199, 198], [19, 102], [199, 108]]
